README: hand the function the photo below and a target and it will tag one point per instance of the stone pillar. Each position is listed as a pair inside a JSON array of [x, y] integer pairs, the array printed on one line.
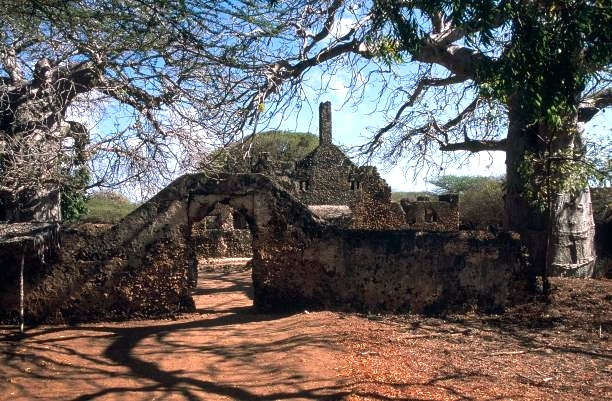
[[325, 124]]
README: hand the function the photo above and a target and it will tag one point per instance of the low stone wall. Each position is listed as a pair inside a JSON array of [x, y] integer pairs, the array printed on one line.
[[220, 243], [394, 271], [144, 266], [441, 214], [85, 281]]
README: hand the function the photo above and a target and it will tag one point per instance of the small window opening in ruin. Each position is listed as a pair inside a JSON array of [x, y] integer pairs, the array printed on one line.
[[355, 185], [430, 215]]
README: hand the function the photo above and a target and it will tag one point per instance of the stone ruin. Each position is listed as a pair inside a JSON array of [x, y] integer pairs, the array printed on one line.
[[324, 234], [224, 233], [337, 190], [327, 180], [144, 266]]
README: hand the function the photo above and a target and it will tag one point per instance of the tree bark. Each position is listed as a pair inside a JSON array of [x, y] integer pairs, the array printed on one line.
[[572, 227], [32, 131]]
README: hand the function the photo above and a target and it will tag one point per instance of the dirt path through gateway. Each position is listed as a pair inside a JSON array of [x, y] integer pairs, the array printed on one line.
[[557, 350], [223, 352]]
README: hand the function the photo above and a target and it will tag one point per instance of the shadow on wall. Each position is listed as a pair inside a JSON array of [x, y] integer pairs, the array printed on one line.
[[143, 266]]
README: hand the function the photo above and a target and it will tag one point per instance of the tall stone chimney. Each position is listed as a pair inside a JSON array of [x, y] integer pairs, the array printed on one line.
[[325, 124]]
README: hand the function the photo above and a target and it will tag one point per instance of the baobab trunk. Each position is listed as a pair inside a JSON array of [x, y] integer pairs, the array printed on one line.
[[33, 161], [566, 233]]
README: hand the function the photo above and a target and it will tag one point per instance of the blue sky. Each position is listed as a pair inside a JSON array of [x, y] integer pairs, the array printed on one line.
[[351, 126]]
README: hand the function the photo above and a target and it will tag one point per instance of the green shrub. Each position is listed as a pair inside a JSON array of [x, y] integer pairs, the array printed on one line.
[[482, 205], [107, 207], [72, 196]]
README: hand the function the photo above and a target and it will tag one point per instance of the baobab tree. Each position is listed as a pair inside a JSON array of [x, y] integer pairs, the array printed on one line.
[[515, 76], [150, 87]]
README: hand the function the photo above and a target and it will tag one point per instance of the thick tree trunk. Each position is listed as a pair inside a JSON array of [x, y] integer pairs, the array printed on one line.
[[573, 233], [33, 161], [571, 246], [42, 204]]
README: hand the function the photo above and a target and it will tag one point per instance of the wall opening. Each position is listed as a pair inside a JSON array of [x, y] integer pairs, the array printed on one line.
[[220, 255]]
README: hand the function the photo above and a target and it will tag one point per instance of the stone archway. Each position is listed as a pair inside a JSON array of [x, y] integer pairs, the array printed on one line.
[[143, 265]]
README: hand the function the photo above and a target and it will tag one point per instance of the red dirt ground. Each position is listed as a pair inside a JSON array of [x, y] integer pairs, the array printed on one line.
[[226, 351]]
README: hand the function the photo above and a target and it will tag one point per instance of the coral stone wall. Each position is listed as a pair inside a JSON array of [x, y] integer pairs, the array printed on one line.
[[392, 271], [220, 243], [324, 177], [144, 265], [441, 214], [221, 234]]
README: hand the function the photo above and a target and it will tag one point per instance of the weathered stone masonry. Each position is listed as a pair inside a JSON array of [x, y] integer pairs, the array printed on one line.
[[327, 177], [143, 265]]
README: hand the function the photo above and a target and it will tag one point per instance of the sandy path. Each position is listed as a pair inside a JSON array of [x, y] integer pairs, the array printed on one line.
[[223, 352]]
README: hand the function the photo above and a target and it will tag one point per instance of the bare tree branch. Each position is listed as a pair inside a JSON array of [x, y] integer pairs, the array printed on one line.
[[326, 29], [472, 145], [594, 104], [376, 141], [8, 57]]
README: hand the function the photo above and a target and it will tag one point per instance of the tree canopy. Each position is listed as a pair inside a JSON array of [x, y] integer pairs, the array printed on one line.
[[166, 80], [152, 84], [520, 76], [461, 183]]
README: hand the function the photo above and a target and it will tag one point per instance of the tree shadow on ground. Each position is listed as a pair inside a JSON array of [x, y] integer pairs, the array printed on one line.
[[149, 376], [188, 359]]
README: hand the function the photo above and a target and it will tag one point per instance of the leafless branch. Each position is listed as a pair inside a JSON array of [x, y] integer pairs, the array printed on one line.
[[594, 103]]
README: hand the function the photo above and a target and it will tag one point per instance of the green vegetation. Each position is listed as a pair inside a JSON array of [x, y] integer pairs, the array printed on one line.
[[73, 199], [459, 184], [481, 201], [281, 146], [482, 205], [107, 207]]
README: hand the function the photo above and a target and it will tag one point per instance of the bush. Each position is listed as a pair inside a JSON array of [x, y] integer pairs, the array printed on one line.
[[72, 196], [107, 207], [482, 205]]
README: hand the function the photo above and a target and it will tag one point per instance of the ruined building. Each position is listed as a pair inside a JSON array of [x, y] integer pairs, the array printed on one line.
[[142, 266], [335, 189]]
